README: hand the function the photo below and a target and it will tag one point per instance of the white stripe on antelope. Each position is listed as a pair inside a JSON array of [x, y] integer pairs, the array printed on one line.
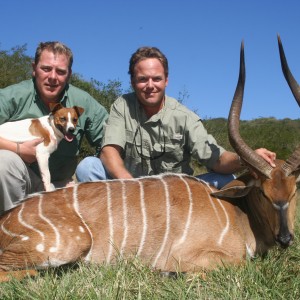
[[174, 222]]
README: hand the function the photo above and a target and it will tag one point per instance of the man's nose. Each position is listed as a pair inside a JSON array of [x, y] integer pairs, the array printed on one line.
[[150, 83], [53, 74]]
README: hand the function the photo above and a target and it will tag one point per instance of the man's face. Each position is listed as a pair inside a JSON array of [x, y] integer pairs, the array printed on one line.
[[149, 83], [51, 75]]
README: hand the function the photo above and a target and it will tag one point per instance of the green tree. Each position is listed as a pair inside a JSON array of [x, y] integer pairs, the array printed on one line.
[[105, 94], [15, 65]]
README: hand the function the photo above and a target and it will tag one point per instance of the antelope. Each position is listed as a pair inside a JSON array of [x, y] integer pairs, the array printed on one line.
[[173, 222]]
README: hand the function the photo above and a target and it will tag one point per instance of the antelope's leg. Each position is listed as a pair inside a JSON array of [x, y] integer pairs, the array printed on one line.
[[44, 231], [21, 274], [199, 259], [54, 251]]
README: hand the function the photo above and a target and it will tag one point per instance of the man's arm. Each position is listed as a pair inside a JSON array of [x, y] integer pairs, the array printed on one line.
[[111, 158], [229, 162], [27, 150]]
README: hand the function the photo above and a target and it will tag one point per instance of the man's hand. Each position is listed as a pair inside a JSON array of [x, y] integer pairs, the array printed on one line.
[[28, 150], [110, 156], [267, 155]]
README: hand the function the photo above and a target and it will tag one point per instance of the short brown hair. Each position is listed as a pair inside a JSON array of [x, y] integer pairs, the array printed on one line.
[[144, 53], [54, 47]]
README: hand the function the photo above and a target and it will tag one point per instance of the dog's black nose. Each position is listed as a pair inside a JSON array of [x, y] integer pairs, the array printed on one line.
[[71, 130]]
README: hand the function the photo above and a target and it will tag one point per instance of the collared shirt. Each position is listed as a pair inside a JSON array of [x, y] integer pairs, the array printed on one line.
[[20, 101], [164, 143]]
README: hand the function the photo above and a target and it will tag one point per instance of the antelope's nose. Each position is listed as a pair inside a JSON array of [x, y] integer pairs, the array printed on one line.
[[285, 240]]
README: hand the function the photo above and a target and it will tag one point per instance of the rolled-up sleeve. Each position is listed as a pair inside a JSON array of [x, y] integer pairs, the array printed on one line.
[[114, 129], [204, 147]]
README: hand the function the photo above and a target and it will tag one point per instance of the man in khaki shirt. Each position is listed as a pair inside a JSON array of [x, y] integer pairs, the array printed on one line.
[[150, 133]]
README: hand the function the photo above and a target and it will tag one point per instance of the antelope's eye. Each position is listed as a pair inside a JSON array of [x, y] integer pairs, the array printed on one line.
[[263, 193]]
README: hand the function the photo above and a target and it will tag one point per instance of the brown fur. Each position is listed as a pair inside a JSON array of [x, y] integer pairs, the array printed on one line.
[[36, 129], [171, 222]]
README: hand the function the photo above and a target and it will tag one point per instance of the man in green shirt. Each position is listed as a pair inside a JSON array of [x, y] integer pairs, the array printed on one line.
[[52, 69], [150, 133]]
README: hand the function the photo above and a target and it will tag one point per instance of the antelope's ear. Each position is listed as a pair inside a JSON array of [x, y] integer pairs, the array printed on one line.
[[296, 173], [234, 189]]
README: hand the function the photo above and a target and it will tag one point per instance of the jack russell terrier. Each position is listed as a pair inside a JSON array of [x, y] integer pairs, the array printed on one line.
[[59, 124]]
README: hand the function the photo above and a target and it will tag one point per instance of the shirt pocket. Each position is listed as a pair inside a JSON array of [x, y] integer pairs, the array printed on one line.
[[174, 152], [172, 159], [133, 142]]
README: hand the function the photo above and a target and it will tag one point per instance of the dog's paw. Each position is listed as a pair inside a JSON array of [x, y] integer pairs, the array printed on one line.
[[71, 183]]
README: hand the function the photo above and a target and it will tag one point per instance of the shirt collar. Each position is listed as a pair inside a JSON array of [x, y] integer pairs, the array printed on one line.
[[155, 118]]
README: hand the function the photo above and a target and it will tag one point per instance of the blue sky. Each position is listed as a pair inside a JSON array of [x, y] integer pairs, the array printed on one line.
[[200, 38]]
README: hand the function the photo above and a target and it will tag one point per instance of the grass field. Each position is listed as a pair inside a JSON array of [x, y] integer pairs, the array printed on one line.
[[275, 276]]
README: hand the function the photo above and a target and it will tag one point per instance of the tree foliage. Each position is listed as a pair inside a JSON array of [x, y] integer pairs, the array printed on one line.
[[105, 94], [280, 136], [15, 66]]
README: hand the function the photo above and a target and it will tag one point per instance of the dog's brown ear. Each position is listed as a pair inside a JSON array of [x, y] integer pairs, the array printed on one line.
[[54, 107], [79, 110]]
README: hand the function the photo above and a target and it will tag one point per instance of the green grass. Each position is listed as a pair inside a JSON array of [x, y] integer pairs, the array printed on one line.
[[275, 276]]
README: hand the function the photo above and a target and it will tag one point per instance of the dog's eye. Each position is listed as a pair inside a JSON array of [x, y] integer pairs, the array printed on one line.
[[62, 119], [75, 120]]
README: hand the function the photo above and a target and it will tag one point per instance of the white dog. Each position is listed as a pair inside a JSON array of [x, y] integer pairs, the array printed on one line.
[[59, 124]]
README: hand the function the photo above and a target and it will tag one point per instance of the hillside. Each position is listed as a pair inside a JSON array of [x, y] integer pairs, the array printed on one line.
[[280, 136]]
